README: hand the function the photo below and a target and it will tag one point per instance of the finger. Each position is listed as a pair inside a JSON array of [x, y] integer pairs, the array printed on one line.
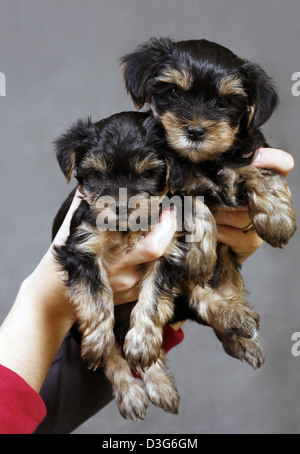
[[64, 230], [241, 244], [155, 242], [126, 280], [274, 159], [233, 217], [126, 297]]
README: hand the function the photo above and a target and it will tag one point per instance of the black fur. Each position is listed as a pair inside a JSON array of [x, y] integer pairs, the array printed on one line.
[[211, 104], [207, 64], [122, 142]]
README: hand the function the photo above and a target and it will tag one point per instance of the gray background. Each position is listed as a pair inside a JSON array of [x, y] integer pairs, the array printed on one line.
[[60, 58]]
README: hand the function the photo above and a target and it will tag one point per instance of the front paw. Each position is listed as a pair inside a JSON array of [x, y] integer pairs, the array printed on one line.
[[96, 347], [132, 400], [271, 209], [162, 392], [236, 320], [246, 350], [275, 228], [142, 346]]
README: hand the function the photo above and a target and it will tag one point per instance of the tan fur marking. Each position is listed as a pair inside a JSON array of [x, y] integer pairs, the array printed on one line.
[[220, 136], [96, 162], [251, 116], [147, 164], [181, 77], [231, 85], [72, 160]]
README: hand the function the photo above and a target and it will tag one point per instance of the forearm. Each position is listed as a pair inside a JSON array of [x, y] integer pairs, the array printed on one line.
[[36, 325]]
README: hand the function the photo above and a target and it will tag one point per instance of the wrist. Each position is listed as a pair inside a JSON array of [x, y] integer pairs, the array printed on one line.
[[46, 286], [36, 325]]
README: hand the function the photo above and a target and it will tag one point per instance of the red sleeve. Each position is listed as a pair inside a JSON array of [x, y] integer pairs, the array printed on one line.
[[171, 338], [21, 408]]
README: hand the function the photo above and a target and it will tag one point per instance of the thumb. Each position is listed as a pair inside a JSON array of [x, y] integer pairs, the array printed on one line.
[[274, 159], [156, 241]]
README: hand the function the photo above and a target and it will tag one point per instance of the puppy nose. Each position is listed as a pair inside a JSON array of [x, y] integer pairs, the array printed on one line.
[[196, 132]]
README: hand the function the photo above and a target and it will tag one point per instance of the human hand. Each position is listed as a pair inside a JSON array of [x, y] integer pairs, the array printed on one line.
[[124, 271], [231, 221]]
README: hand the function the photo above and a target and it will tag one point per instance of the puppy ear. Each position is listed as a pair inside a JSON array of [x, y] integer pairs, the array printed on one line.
[[73, 144], [143, 65], [262, 94]]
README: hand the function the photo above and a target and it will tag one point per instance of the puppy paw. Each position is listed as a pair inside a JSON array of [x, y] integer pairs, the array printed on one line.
[[96, 347], [132, 400], [163, 393], [142, 346], [246, 350], [275, 229], [236, 320]]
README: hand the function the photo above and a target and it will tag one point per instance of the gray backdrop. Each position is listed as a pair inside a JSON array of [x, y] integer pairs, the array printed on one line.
[[60, 58]]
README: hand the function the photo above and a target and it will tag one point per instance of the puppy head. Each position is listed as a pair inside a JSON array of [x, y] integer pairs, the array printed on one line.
[[204, 95], [119, 163]]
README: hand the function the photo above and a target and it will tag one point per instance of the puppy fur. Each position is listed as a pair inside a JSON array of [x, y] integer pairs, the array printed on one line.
[[211, 104], [126, 150]]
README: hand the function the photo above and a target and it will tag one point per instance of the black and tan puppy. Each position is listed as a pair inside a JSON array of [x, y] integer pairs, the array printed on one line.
[[212, 104], [122, 168]]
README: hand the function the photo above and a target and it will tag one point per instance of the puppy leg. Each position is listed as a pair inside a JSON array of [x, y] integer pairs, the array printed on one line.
[[270, 206], [130, 395], [92, 297], [224, 314], [95, 311], [160, 386], [150, 314], [226, 311], [221, 304], [201, 256], [235, 325]]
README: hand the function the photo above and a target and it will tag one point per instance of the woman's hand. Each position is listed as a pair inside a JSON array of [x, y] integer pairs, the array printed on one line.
[[231, 221], [42, 313], [124, 274]]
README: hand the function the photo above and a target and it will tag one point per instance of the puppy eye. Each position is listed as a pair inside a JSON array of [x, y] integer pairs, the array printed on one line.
[[173, 92], [223, 103], [148, 174], [95, 175]]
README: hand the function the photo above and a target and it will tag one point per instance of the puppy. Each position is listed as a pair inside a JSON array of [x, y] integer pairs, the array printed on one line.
[[211, 104], [125, 152]]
